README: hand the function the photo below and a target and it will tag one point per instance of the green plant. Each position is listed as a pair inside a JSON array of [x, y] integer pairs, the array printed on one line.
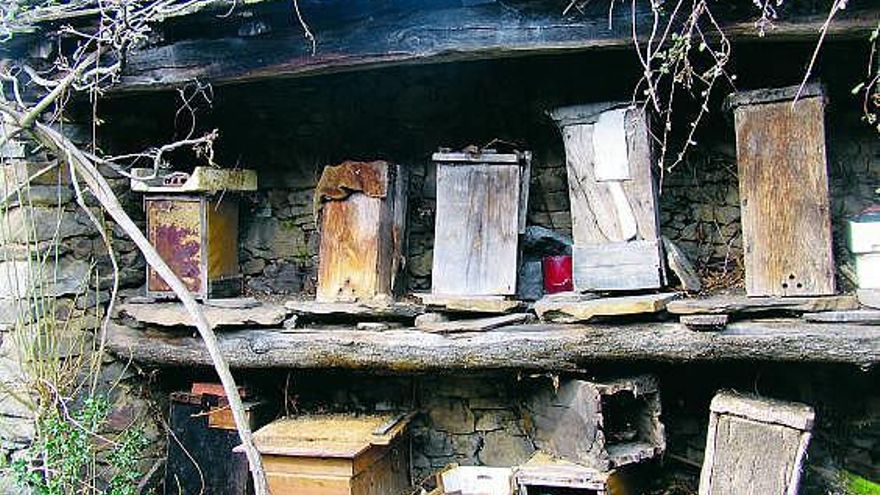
[[856, 485], [64, 459]]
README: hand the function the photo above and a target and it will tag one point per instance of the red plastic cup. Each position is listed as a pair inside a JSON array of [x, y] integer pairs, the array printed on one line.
[[557, 274]]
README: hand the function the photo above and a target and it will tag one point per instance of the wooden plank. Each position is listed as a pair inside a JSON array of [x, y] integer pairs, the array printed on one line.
[[384, 38], [783, 180], [472, 325], [617, 265], [351, 244], [765, 410], [476, 230], [755, 305], [869, 297], [527, 347], [569, 312]]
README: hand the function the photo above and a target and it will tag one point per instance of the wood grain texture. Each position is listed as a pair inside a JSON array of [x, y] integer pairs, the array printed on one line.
[[603, 211], [476, 229], [222, 238], [527, 347], [383, 38], [783, 179], [352, 243]]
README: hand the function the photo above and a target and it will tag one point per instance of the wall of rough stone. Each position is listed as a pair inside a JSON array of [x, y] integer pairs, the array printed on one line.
[[54, 263]]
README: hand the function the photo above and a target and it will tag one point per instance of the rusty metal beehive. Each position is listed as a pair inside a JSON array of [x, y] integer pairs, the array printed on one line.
[[195, 229]]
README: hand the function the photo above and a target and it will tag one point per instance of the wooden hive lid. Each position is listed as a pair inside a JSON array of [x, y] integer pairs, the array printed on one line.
[[332, 435]]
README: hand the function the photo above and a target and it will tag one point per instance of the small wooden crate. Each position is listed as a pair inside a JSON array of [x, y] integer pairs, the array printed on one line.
[[755, 445], [482, 199], [783, 190], [363, 229], [336, 455], [192, 221]]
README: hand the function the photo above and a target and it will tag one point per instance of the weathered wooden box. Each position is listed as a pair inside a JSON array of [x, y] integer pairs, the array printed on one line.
[[336, 455], [613, 195], [363, 230], [201, 440], [598, 425], [482, 199], [783, 189], [755, 445], [192, 221]]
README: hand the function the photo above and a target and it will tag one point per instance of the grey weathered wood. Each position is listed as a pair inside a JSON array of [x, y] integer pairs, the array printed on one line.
[[772, 95], [573, 311], [754, 305], [472, 325], [476, 229], [603, 211], [679, 263], [529, 347], [784, 200], [570, 422], [617, 265], [708, 322], [755, 446], [861, 316]]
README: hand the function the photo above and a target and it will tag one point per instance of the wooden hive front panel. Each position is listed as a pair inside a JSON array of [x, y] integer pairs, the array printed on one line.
[[476, 229], [783, 182], [615, 224], [355, 248]]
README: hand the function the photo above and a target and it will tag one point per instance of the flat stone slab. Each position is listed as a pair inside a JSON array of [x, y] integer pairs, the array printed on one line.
[[471, 304], [173, 314], [392, 310], [472, 325], [745, 304], [575, 311], [858, 316]]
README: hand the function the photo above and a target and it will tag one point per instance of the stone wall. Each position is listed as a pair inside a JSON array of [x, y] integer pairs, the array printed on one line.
[[55, 275]]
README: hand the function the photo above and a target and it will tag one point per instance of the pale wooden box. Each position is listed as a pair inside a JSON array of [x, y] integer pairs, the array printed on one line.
[[336, 455], [755, 445]]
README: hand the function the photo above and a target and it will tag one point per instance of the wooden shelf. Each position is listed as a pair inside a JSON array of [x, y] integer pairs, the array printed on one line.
[[527, 347]]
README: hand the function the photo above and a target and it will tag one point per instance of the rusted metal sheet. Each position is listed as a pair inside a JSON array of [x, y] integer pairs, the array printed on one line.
[[783, 180], [175, 230], [198, 237]]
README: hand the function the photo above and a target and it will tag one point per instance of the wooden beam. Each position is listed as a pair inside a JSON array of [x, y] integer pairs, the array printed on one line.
[[427, 35], [529, 347]]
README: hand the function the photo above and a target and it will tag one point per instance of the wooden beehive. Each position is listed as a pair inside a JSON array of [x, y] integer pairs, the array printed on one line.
[[598, 425], [613, 195], [482, 199], [544, 474], [755, 445], [783, 189], [363, 230], [336, 455], [201, 440], [192, 221]]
